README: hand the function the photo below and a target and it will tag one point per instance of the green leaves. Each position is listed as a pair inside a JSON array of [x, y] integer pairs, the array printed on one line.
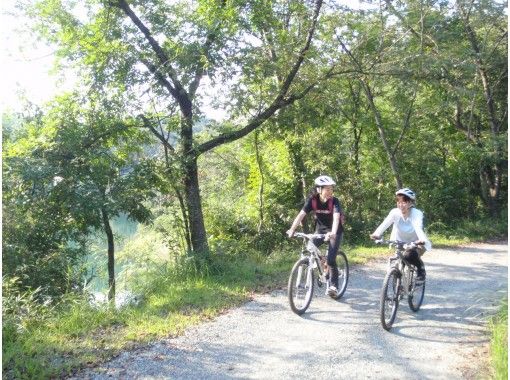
[[62, 171]]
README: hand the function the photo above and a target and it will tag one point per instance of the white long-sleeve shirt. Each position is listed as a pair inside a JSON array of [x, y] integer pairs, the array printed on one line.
[[405, 229]]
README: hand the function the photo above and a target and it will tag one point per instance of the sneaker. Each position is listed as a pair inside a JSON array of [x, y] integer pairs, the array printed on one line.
[[332, 292]]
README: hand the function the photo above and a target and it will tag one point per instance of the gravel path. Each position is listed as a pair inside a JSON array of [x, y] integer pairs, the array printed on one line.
[[341, 339]]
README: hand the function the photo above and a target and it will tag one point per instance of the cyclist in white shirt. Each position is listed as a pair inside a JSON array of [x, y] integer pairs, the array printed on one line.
[[407, 223]]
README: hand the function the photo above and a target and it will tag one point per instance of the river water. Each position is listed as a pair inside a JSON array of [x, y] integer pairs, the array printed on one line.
[[97, 262]]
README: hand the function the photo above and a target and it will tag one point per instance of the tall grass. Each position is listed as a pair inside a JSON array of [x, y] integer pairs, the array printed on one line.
[[468, 231], [499, 343], [54, 339]]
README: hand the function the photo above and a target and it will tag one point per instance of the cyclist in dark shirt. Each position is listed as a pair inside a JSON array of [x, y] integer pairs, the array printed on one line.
[[328, 220]]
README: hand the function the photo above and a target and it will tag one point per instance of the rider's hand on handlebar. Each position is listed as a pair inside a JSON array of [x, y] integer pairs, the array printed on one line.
[[374, 237], [290, 233]]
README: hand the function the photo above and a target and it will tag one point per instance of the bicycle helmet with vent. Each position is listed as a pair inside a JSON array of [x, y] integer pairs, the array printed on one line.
[[407, 192], [324, 180]]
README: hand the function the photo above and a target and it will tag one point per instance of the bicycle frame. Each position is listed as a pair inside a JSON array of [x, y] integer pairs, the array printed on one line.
[[406, 270], [315, 257], [311, 264], [399, 282]]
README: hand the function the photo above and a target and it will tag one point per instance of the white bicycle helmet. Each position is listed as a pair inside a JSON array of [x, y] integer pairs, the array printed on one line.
[[407, 192], [324, 180]]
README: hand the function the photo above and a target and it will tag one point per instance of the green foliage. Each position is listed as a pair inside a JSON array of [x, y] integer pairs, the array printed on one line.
[[475, 230], [43, 340], [499, 343], [61, 171], [412, 88]]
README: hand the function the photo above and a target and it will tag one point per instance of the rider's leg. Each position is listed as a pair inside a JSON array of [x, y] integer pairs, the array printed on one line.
[[332, 253], [413, 256]]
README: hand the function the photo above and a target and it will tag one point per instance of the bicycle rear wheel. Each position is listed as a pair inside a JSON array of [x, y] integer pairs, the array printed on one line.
[[300, 287], [390, 298], [415, 297], [343, 273]]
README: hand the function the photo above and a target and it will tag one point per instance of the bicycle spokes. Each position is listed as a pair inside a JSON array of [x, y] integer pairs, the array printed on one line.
[[390, 297], [300, 287]]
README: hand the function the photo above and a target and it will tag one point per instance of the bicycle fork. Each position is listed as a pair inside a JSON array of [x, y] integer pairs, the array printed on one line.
[[308, 274]]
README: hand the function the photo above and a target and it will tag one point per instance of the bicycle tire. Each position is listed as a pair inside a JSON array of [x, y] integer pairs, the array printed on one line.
[[300, 294], [415, 299], [343, 273], [390, 295]]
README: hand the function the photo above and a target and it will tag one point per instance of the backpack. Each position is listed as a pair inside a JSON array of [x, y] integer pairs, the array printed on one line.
[[328, 211]]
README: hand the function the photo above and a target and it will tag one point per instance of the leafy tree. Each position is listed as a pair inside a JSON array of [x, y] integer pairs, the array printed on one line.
[[77, 164], [166, 50]]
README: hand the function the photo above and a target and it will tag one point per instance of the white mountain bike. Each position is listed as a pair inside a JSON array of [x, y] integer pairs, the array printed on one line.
[[311, 268], [400, 281]]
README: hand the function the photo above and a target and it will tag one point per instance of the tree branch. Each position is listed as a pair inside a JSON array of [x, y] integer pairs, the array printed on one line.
[[457, 122], [147, 124], [160, 77], [280, 101], [406, 124], [200, 70], [418, 35], [160, 53]]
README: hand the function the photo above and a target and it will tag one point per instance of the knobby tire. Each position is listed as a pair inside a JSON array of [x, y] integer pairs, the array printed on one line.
[[302, 291], [415, 299], [390, 295], [343, 273]]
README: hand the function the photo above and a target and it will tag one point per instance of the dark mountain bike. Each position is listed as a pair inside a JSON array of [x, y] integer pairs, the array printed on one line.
[[400, 281], [311, 268]]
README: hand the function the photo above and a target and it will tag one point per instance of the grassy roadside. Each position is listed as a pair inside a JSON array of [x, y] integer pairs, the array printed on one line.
[[54, 342], [47, 342], [498, 327]]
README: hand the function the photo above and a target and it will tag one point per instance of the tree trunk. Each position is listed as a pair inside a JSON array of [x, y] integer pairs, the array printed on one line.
[[299, 172], [382, 134], [490, 178], [490, 175], [194, 206], [182, 206], [261, 185], [111, 256]]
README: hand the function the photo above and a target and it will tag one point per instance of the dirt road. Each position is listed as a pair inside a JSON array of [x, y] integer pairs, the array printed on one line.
[[341, 339]]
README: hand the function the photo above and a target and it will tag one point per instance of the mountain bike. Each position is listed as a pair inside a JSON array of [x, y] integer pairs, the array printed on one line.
[[312, 268], [400, 281]]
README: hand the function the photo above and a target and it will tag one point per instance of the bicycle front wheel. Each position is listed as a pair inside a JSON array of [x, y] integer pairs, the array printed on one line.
[[343, 273], [300, 287], [390, 298], [415, 297]]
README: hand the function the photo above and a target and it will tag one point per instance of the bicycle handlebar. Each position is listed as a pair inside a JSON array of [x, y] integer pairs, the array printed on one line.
[[308, 236], [398, 243]]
